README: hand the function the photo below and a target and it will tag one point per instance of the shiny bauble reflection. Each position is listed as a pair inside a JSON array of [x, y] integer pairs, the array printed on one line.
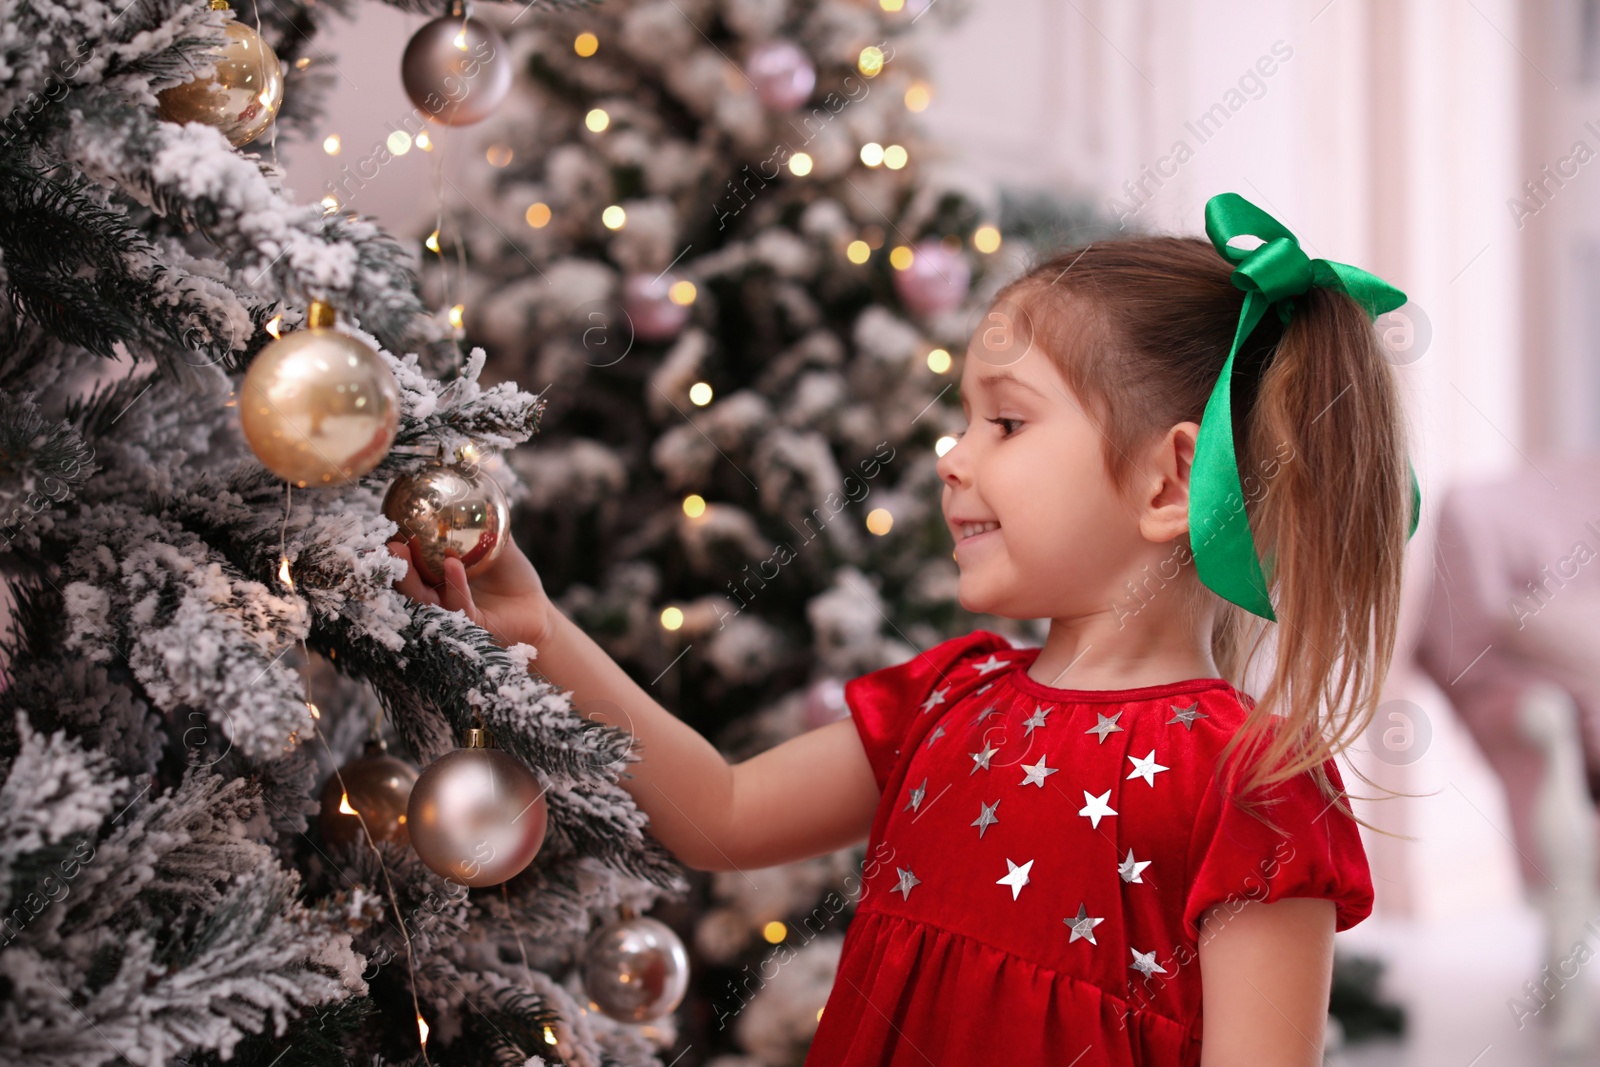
[[477, 816], [456, 70], [319, 408], [378, 786], [635, 969], [449, 510], [241, 99]]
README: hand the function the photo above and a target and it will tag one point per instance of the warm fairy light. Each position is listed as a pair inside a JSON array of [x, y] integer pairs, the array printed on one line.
[[460, 40], [894, 157], [700, 394], [457, 313], [902, 257], [858, 251], [800, 164], [302, 63], [944, 444], [498, 155], [775, 932], [283, 572], [694, 505], [330, 204], [939, 360], [433, 241], [538, 215], [613, 217], [399, 142], [682, 293], [597, 120], [344, 804], [549, 1036], [315, 714], [425, 142], [892, 5], [986, 238], [872, 153], [422, 1028], [586, 45], [879, 521], [330, 144], [919, 94], [671, 618], [870, 62], [275, 325]]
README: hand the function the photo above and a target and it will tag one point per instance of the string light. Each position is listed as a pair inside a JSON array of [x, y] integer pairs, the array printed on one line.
[[344, 805], [275, 324], [902, 257], [671, 618], [586, 45], [614, 217], [872, 153], [775, 932], [597, 120], [283, 573], [694, 505], [457, 314], [858, 251], [682, 293], [433, 241], [986, 238], [939, 360], [700, 394], [425, 142], [800, 164], [538, 215], [498, 155], [892, 5], [460, 40], [330, 204], [870, 62], [549, 1036], [302, 63], [399, 142], [330, 144], [422, 1029], [879, 521], [894, 157], [919, 94]]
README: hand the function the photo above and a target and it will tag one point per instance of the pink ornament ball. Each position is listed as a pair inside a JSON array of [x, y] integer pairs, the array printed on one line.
[[655, 317], [782, 74], [937, 281]]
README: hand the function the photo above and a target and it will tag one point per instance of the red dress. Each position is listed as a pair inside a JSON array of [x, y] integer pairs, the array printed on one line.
[[1039, 860]]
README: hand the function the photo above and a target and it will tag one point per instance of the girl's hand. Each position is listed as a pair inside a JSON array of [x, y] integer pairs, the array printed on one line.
[[506, 598]]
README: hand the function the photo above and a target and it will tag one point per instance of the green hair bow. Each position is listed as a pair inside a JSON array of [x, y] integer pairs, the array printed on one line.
[[1271, 269]]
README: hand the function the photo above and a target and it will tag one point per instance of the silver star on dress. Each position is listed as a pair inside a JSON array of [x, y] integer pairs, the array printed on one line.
[[1083, 926], [1187, 715], [938, 732], [986, 817], [935, 697], [981, 759], [1016, 878], [1146, 768], [1130, 868], [1145, 963], [1106, 726], [991, 664], [1037, 773], [908, 881], [984, 714], [916, 797], [1096, 807], [1037, 718], [984, 689]]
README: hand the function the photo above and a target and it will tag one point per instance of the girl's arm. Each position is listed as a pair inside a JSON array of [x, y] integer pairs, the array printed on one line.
[[810, 795], [1265, 975]]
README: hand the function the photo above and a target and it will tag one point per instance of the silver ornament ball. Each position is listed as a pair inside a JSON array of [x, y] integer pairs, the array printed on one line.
[[635, 969], [457, 70], [477, 815]]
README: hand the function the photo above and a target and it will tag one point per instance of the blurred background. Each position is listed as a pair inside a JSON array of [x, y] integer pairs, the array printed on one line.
[[1448, 147]]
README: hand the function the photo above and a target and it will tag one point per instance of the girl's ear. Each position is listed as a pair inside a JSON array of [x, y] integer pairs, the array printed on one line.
[[1164, 511]]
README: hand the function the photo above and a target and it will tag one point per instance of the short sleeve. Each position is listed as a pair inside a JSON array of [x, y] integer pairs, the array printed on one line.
[[884, 702], [1318, 853]]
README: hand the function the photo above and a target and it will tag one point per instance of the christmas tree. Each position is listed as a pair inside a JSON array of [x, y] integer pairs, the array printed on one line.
[[196, 644], [714, 233]]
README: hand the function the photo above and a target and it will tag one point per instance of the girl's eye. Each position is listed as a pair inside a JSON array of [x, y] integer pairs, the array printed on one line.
[[1003, 431]]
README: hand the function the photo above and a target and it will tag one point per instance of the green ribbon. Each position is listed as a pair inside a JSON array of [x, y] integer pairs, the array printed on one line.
[[1272, 270]]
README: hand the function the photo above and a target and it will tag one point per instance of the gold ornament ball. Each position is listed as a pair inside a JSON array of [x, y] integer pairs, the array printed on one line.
[[378, 786], [635, 969], [477, 815], [241, 99], [318, 407], [449, 510]]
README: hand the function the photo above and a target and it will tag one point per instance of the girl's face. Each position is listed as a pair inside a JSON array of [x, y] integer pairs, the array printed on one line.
[[1030, 460]]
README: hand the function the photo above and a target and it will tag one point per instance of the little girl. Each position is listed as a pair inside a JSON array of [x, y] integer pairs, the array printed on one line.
[[1084, 851]]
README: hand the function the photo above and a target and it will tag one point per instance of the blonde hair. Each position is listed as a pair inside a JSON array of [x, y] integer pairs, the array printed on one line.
[[1140, 328]]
